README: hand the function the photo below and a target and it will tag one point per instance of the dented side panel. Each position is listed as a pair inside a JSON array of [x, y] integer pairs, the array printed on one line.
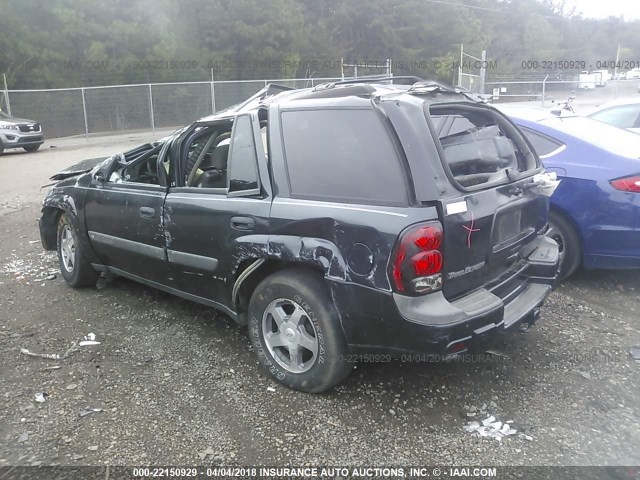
[[223, 231], [66, 196], [124, 225], [349, 243]]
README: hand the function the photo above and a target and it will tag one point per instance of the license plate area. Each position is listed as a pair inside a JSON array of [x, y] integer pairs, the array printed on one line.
[[508, 225], [511, 226]]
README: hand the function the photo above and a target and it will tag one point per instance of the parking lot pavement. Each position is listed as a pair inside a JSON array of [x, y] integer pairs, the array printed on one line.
[[177, 383], [23, 174]]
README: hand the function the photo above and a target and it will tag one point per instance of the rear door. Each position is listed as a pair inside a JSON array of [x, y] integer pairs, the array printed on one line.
[[211, 223], [497, 211]]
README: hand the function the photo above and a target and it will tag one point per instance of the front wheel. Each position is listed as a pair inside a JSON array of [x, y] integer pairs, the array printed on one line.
[[295, 330], [31, 148], [568, 242], [75, 268]]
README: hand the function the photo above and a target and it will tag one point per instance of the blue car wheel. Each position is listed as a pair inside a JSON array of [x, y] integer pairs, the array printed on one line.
[[568, 243]]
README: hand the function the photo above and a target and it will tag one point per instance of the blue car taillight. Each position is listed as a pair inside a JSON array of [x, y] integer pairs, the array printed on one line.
[[627, 184]]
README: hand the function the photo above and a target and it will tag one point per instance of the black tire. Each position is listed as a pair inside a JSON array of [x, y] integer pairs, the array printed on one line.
[[319, 320], [568, 243], [31, 148], [77, 272], [1, 149]]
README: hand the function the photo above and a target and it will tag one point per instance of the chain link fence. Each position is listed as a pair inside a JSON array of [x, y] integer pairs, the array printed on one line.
[[529, 90], [471, 82], [547, 93], [83, 111]]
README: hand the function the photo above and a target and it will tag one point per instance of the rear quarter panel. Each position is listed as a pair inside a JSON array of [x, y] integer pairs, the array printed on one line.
[[349, 243]]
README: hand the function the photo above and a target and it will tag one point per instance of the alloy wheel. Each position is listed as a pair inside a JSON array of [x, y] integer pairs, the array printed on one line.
[[67, 248], [289, 335]]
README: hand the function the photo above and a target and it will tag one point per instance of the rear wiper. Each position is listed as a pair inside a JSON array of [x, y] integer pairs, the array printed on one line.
[[429, 86], [374, 79], [432, 86]]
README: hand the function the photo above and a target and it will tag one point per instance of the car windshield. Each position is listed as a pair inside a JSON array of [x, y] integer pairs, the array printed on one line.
[[613, 139], [5, 116]]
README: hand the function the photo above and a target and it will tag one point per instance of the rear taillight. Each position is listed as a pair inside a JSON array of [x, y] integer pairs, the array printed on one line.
[[417, 260], [627, 184]]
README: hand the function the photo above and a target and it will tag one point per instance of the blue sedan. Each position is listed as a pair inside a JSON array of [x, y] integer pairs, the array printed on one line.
[[595, 211]]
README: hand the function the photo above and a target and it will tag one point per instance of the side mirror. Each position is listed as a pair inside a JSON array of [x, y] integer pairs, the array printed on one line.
[[99, 177]]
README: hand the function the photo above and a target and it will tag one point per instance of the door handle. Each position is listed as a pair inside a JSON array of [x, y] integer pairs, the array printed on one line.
[[147, 212], [242, 223]]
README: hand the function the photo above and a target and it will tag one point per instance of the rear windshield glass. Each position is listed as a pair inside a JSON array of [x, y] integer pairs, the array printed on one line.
[[478, 147]]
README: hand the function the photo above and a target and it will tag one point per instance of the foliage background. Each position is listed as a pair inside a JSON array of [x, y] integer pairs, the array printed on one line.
[[48, 44]]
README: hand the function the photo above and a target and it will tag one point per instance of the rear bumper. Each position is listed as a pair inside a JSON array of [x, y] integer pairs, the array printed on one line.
[[374, 321]]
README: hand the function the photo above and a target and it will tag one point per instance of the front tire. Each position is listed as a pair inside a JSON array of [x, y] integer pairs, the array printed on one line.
[[295, 330], [568, 244], [31, 148], [75, 268]]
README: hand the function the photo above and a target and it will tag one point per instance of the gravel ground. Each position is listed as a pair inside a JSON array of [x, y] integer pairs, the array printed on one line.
[[177, 383]]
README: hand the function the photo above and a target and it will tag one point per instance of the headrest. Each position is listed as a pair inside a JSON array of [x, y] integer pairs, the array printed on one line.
[[219, 157]]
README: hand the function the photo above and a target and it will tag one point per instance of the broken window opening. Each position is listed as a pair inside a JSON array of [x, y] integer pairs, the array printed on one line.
[[139, 165], [207, 157], [479, 148]]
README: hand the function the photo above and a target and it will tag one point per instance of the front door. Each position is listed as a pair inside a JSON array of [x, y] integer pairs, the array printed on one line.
[[124, 217]]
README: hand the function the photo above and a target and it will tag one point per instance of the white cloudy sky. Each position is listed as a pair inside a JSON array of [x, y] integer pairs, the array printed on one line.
[[629, 9]]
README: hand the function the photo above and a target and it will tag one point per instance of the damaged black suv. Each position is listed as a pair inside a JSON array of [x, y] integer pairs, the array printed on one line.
[[332, 221]]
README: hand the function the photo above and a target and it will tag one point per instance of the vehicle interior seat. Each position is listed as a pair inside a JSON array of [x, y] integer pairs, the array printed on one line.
[[215, 168]]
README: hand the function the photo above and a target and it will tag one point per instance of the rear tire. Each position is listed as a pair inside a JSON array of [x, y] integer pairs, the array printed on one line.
[[568, 243], [75, 268], [31, 148], [295, 330]]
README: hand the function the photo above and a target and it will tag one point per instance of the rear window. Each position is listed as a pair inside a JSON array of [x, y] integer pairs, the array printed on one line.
[[623, 116], [343, 155], [543, 145], [480, 147]]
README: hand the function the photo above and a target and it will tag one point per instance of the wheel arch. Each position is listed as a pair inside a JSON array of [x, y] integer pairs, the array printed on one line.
[[282, 251], [55, 204], [49, 226], [254, 270], [569, 219]]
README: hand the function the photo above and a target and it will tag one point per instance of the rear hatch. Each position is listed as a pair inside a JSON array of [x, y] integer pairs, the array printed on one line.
[[497, 213]]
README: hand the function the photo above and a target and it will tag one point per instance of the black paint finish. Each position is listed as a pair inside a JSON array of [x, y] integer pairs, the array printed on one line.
[[195, 242]]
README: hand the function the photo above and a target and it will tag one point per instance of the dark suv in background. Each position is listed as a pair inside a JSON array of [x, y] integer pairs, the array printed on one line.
[[332, 221]]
